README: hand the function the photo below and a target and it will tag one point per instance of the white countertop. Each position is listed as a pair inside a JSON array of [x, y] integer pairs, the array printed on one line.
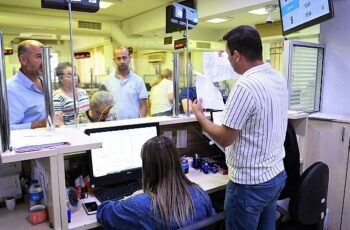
[[78, 142], [330, 117]]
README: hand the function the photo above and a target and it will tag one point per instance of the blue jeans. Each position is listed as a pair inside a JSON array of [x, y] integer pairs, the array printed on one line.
[[253, 206], [166, 113]]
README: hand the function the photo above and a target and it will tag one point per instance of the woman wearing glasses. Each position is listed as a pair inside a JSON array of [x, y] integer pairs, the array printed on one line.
[[100, 106], [63, 99]]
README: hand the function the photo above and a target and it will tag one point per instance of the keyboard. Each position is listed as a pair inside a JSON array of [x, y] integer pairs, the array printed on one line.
[[117, 192]]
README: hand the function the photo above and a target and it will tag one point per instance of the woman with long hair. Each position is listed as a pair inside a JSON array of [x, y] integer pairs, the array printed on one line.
[[168, 200], [161, 97], [63, 99]]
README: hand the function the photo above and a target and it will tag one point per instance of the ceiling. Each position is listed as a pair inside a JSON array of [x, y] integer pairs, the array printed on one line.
[[133, 16]]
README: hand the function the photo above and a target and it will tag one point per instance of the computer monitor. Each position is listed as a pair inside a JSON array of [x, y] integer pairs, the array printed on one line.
[[216, 117], [297, 15], [119, 159]]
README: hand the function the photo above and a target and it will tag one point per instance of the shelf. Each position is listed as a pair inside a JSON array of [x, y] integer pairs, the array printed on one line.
[[78, 142]]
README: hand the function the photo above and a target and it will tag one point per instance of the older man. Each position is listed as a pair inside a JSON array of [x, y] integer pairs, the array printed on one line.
[[128, 89], [25, 89], [253, 130]]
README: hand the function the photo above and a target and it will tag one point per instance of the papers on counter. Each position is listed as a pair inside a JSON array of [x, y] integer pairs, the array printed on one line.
[[27, 140], [211, 96]]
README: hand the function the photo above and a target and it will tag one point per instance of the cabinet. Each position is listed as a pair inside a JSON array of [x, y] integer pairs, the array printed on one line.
[[328, 141]]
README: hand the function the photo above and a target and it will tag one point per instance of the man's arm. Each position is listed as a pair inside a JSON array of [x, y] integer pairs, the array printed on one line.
[[38, 124], [143, 107], [184, 105], [222, 135]]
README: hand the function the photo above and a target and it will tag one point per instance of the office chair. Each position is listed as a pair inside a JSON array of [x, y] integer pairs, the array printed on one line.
[[291, 163], [215, 222], [307, 207]]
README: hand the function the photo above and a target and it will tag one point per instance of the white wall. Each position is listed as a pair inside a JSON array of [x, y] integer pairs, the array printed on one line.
[[336, 82]]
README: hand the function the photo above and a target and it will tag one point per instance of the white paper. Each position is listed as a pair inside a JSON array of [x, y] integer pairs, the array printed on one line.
[[26, 140], [217, 67], [211, 96]]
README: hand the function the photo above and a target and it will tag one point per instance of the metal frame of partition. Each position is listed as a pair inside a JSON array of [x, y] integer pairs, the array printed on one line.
[[4, 112]]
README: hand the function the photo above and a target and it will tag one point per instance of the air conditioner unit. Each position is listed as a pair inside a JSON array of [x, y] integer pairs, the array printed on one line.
[[156, 58]]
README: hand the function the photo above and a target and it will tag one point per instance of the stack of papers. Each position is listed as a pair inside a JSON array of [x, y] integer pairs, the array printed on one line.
[[27, 140]]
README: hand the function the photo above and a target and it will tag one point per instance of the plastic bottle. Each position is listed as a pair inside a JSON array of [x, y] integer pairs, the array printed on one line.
[[36, 193]]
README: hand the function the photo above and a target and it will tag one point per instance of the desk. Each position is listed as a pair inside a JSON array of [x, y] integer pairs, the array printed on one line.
[[54, 166], [209, 182]]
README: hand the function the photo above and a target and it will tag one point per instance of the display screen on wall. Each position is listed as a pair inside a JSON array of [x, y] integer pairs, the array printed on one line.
[[300, 14]]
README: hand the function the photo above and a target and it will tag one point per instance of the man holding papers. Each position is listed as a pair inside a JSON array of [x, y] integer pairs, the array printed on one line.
[[253, 130]]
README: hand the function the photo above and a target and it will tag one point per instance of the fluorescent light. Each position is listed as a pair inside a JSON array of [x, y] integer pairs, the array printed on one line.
[[105, 5], [216, 20], [260, 11]]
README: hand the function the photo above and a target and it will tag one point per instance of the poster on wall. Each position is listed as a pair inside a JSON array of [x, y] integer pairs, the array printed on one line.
[[217, 67]]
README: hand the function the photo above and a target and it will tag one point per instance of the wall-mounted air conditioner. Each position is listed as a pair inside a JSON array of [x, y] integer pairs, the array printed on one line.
[[156, 58]]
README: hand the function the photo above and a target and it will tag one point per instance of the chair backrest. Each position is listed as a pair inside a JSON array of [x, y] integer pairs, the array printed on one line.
[[211, 223], [309, 203], [291, 163]]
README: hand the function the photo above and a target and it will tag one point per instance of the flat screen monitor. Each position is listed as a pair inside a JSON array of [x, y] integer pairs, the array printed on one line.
[[300, 14], [176, 14], [216, 117], [119, 159]]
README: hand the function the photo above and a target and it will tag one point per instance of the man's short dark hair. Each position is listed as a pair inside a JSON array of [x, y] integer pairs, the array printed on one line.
[[246, 40]]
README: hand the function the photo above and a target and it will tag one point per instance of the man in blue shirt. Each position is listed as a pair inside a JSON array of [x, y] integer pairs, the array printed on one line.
[[128, 89], [25, 90]]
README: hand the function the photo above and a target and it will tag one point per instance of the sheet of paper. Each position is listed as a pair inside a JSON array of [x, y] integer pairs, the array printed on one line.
[[211, 96], [33, 140], [217, 67]]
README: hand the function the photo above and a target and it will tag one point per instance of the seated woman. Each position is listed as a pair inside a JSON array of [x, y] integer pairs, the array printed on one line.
[[168, 201], [161, 98], [100, 105], [63, 97]]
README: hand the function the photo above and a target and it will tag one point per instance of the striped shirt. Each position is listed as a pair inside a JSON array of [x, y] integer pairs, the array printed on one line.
[[63, 103], [258, 108]]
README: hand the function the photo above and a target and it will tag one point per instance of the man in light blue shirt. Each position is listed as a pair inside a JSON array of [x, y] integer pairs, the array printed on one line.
[[128, 89], [25, 90]]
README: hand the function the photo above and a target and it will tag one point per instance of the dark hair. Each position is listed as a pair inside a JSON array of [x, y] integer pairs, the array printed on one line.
[[163, 178], [246, 40]]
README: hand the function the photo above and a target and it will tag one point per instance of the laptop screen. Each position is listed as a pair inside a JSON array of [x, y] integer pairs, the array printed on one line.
[[119, 159], [216, 117]]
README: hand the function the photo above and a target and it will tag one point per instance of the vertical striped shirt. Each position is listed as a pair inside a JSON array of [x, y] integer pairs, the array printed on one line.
[[63, 103], [258, 108]]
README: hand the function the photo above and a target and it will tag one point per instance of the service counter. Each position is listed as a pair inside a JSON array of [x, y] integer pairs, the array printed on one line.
[[53, 159]]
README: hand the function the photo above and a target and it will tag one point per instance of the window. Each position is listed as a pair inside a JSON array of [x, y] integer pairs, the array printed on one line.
[[303, 67]]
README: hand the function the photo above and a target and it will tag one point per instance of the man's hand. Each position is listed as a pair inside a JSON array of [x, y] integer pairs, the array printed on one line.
[[197, 106], [58, 118], [38, 124]]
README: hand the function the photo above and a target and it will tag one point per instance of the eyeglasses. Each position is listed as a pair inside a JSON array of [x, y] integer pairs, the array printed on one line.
[[124, 58], [69, 75]]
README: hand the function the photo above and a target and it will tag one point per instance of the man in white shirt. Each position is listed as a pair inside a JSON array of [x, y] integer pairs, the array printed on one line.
[[253, 130]]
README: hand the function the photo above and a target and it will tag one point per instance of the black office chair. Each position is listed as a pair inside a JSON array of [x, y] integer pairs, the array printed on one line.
[[215, 222], [307, 207]]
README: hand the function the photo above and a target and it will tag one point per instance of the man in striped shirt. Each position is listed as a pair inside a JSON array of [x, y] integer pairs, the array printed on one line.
[[253, 130]]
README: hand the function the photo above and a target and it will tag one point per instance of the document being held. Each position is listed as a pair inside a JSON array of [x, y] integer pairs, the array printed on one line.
[[211, 96]]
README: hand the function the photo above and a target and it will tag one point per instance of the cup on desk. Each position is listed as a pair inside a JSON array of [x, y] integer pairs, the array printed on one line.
[[37, 214], [10, 203]]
